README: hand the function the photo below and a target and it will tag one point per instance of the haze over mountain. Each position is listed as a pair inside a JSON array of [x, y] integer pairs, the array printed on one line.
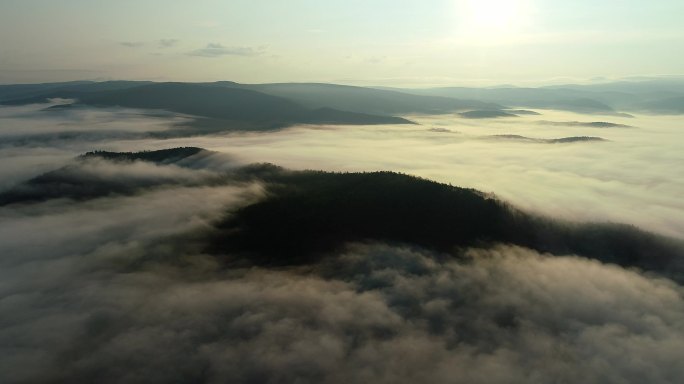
[[221, 103], [25, 91], [318, 103], [365, 100], [643, 96], [313, 96]]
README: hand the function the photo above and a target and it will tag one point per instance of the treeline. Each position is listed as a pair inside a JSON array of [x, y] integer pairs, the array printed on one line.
[[158, 156]]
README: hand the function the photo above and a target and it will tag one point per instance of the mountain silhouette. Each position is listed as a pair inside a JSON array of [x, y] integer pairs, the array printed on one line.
[[364, 100], [486, 114], [658, 96], [572, 139], [227, 104], [668, 106], [27, 91]]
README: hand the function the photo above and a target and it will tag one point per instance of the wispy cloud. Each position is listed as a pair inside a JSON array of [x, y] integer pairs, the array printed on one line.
[[132, 44], [167, 43], [218, 50]]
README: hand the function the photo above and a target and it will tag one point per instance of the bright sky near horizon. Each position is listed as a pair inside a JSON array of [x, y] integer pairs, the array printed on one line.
[[380, 42]]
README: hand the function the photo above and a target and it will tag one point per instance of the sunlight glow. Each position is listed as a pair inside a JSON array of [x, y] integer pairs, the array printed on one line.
[[495, 18]]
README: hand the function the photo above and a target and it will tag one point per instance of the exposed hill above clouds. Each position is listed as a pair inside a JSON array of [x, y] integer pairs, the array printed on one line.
[[562, 140], [589, 124], [100, 173], [308, 214], [162, 156], [486, 114]]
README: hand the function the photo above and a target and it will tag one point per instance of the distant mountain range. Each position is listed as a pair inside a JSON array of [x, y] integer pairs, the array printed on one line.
[[251, 109], [268, 106], [365, 100], [486, 114], [661, 96], [258, 106]]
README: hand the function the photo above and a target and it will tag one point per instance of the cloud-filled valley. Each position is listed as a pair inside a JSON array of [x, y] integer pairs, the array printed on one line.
[[341, 192], [122, 289], [524, 249]]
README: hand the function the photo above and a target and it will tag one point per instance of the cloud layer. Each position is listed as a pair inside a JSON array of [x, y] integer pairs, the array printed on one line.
[[632, 177], [123, 288], [143, 309]]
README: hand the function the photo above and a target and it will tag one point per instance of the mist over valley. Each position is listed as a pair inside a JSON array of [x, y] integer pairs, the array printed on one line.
[[236, 191]]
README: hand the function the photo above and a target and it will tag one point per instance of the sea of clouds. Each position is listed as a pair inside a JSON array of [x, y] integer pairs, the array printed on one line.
[[122, 288]]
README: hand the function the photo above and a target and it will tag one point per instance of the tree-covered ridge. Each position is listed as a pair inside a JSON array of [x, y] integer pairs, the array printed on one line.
[[307, 215], [158, 156], [102, 173]]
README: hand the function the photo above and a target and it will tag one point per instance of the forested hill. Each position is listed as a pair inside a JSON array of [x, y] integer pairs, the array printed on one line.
[[307, 215]]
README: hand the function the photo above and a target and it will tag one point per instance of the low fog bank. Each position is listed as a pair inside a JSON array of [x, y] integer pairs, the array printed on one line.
[[100, 174], [631, 176], [143, 304], [124, 287], [35, 139], [36, 119], [112, 274]]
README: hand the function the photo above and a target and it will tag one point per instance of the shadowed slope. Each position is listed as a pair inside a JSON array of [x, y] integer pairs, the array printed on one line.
[[162, 156], [310, 214], [364, 100]]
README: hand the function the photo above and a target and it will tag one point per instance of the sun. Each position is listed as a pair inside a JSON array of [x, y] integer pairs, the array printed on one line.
[[495, 17]]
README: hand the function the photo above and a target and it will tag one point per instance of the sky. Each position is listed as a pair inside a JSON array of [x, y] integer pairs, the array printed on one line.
[[382, 42]]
